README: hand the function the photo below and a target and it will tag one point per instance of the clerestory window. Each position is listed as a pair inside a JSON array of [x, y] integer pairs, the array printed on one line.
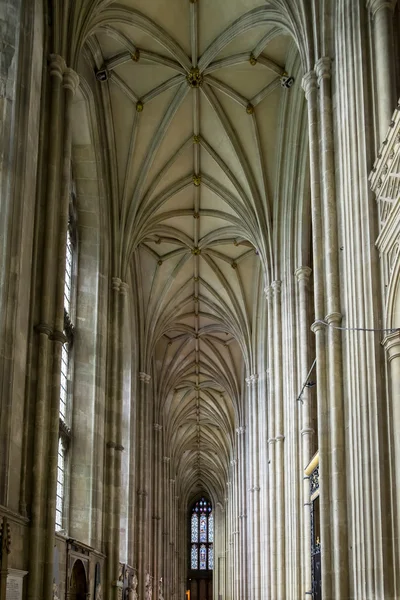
[[66, 369], [202, 536]]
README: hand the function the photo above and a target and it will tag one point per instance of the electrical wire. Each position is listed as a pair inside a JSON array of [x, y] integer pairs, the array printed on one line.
[[390, 330], [299, 397]]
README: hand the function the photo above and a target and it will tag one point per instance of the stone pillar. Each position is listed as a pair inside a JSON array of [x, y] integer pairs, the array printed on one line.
[[303, 276], [241, 512], [310, 88], [271, 445], [120, 304], [142, 534], [391, 344], [253, 513], [157, 506], [381, 12], [279, 440], [334, 337]]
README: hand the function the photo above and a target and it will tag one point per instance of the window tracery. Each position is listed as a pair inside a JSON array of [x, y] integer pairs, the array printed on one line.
[[66, 369], [202, 536]]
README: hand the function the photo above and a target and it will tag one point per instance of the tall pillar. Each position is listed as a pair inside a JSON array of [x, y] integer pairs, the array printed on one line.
[[310, 88], [241, 529], [157, 507], [303, 277], [253, 514], [279, 440], [381, 12], [143, 470], [271, 444], [334, 337]]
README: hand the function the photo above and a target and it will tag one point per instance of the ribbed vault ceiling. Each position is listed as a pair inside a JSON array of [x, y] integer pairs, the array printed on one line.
[[195, 112]]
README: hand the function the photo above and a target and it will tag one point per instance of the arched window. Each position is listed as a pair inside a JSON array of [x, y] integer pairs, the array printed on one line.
[[202, 536], [66, 366]]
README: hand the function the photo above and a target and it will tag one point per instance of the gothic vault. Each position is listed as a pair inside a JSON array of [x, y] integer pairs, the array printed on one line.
[[199, 299]]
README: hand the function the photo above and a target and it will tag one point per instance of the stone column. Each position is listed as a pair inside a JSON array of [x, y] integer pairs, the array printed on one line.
[[271, 445], [45, 329], [240, 530], [279, 440], [391, 344], [112, 349], [310, 88], [118, 393], [166, 527], [253, 516], [334, 337], [70, 84], [142, 535], [381, 12], [157, 506], [303, 276]]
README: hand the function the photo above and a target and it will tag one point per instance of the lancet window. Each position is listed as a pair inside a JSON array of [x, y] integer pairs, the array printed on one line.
[[202, 536], [66, 367]]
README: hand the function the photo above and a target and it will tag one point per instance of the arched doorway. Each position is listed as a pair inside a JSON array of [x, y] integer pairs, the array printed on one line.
[[201, 549], [77, 584]]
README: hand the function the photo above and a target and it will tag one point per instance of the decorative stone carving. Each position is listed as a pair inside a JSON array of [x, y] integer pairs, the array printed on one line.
[[160, 589], [194, 78], [148, 587], [132, 589], [144, 377]]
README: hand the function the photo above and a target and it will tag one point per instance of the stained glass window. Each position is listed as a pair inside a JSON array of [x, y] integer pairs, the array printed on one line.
[[210, 558], [65, 367], [201, 535], [203, 528], [194, 557], [203, 557], [211, 527], [195, 528]]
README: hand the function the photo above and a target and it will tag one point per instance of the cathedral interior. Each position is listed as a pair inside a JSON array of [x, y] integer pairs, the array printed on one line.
[[199, 300]]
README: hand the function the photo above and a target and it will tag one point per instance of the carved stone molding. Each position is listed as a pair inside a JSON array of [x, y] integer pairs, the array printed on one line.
[[241, 430], [303, 273], [252, 379], [323, 68], [124, 287], [144, 377], [115, 283], [70, 80], [166, 459], [309, 83], [57, 66], [391, 343], [157, 427]]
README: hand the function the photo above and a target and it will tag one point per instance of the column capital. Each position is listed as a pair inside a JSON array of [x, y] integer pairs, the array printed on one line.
[[252, 379], [123, 288], [115, 283], [303, 273], [70, 80], [375, 6], [276, 286], [309, 82], [57, 66], [166, 459], [157, 427], [144, 377], [391, 343], [334, 318], [269, 292], [323, 68], [241, 430], [317, 326], [233, 462]]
